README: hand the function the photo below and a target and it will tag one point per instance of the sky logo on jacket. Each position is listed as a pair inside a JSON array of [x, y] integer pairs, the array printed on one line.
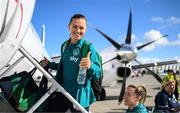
[[73, 58], [75, 53]]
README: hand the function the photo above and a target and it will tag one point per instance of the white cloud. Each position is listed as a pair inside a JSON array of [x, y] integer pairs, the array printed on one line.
[[154, 35], [179, 36], [174, 20], [149, 47], [176, 42], [148, 60], [166, 22], [133, 38], [151, 60], [177, 58], [158, 19]]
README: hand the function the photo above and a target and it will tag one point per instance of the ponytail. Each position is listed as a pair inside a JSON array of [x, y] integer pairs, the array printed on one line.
[[140, 91]]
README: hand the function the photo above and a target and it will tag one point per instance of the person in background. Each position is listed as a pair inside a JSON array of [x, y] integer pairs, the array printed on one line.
[[171, 74], [134, 98], [68, 67], [165, 100]]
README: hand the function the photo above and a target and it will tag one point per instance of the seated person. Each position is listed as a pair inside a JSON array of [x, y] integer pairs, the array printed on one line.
[[134, 98], [165, 101], [170, 73]]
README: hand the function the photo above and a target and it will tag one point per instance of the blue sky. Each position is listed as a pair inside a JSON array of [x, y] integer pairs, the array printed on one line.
[[150, 20]]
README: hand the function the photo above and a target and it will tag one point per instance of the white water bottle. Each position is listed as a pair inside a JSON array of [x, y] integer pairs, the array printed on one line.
[[81, 75]]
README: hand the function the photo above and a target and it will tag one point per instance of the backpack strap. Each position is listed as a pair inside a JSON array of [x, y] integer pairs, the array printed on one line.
[[85, 48], [64, 45]]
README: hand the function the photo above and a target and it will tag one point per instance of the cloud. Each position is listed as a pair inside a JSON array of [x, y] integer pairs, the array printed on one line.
[[176, 42], [179, 36], [158, 19], [134, 37], [154, 35], [151, 60], [174, 20], [166, 22], [148, 60]]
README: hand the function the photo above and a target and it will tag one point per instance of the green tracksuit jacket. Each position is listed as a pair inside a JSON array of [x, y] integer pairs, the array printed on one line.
[[140, 108]]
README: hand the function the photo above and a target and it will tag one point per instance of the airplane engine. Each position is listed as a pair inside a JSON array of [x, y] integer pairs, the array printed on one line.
[[121, 71]]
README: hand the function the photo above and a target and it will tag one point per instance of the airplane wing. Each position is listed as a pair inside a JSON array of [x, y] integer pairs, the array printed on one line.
[[155, 64]]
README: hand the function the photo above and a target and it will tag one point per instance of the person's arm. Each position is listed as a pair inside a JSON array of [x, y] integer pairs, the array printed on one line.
[[53, 65], [94, 71], [176, 109], [47, 64]]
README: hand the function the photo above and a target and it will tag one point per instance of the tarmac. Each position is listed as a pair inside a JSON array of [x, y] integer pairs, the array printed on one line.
[[110, 105]]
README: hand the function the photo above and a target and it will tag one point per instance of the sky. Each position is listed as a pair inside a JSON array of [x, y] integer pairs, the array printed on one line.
[[150, 20]]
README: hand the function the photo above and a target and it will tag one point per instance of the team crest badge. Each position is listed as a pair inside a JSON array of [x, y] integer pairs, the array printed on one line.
[[76, 51]]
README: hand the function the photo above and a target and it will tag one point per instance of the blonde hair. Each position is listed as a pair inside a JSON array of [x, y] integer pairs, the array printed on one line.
[[140, 91], [167, 79]]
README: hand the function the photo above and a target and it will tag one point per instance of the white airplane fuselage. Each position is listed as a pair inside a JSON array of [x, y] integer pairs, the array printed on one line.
[[17, 30]]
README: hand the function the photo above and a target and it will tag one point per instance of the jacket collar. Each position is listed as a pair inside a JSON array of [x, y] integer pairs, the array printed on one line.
[[78, 44]]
